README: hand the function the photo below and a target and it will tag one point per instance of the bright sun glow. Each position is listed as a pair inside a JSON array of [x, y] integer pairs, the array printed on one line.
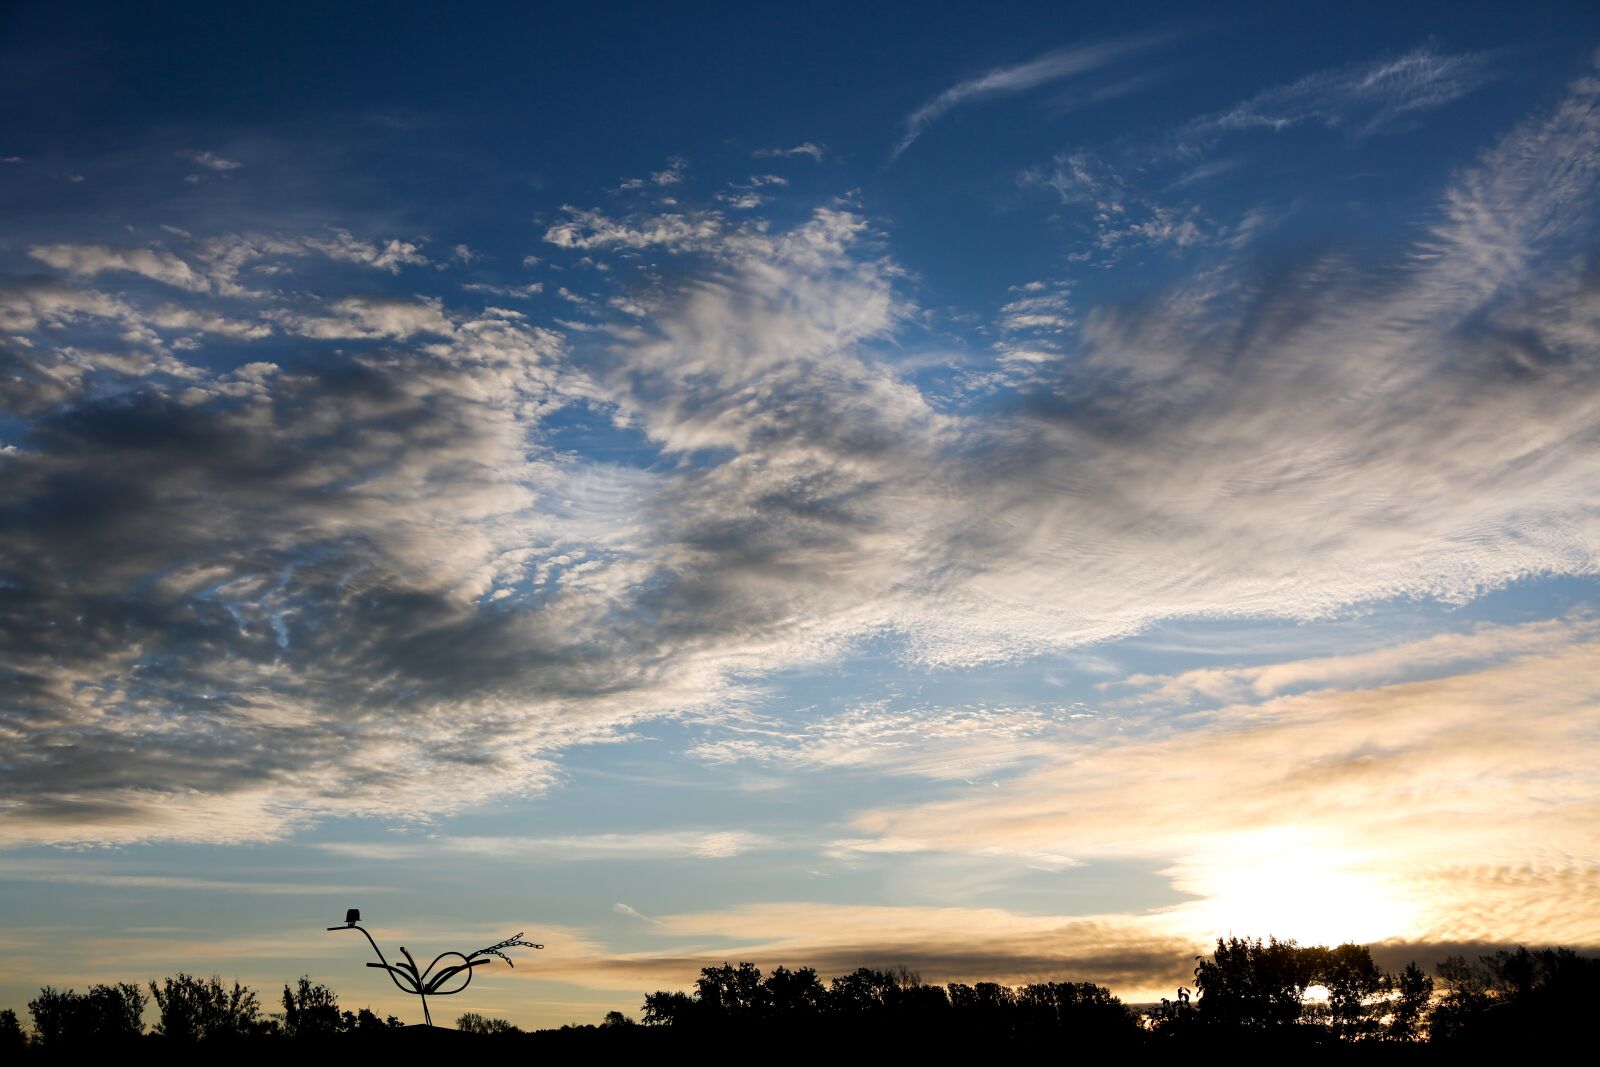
[[1284, 884]]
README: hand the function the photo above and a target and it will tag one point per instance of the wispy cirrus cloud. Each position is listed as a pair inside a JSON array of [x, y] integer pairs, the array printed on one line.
[[642, 845], [1006, 81], [1119, 215], [1114, 201], [1362, 98], [708, 844], [939, 743], [1433, 654], [632, 913], [92, 873]]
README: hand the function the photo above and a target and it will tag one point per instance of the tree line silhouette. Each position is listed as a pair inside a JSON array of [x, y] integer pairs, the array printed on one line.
[[1247, 991]]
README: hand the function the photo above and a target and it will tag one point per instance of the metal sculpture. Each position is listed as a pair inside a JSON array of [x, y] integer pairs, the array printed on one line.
[[423, 982]]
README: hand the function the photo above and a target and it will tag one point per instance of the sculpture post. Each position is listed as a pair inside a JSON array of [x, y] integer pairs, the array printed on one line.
[[423, 982]]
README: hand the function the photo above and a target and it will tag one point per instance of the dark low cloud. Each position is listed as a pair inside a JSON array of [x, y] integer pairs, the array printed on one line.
[[939, 944], [1395, 955], [219, 589], [1159, 966]]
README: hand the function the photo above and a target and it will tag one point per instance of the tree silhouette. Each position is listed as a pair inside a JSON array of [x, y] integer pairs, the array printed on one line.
[[864, 992], [984, 1008], [365, 1023], [1496, 999], [1082, 1008], [12, 1039], [795, 994], [1253, 985], [104, 1013], [1356, 986], [896, 1007], [1413, 994], [193, 1009], [473, 1023], [310, 1010], [668, 1009], [1251, 993], [731, 991]]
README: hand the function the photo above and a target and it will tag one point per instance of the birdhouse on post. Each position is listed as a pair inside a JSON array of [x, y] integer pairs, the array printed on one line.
[[424, 981]]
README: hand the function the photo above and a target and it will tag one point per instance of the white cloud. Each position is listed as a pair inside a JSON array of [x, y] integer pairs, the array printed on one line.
[[135, 363], [230, 257], [390, 256], [28, 306], [673, 173], [1039, 309], [592, 230], [171, 317], [89, 260], [814, 152], [742, 201], [33, 306], [211, 161], [519, 292], [372, 317]]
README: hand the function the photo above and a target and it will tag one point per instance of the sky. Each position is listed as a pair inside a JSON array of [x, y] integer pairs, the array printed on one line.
[[1013, 491]]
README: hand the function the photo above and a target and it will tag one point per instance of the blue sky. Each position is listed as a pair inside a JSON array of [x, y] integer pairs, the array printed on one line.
[[1011, 492]]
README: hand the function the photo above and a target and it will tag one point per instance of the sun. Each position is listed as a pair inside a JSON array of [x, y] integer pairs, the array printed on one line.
[[1291, 884]]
